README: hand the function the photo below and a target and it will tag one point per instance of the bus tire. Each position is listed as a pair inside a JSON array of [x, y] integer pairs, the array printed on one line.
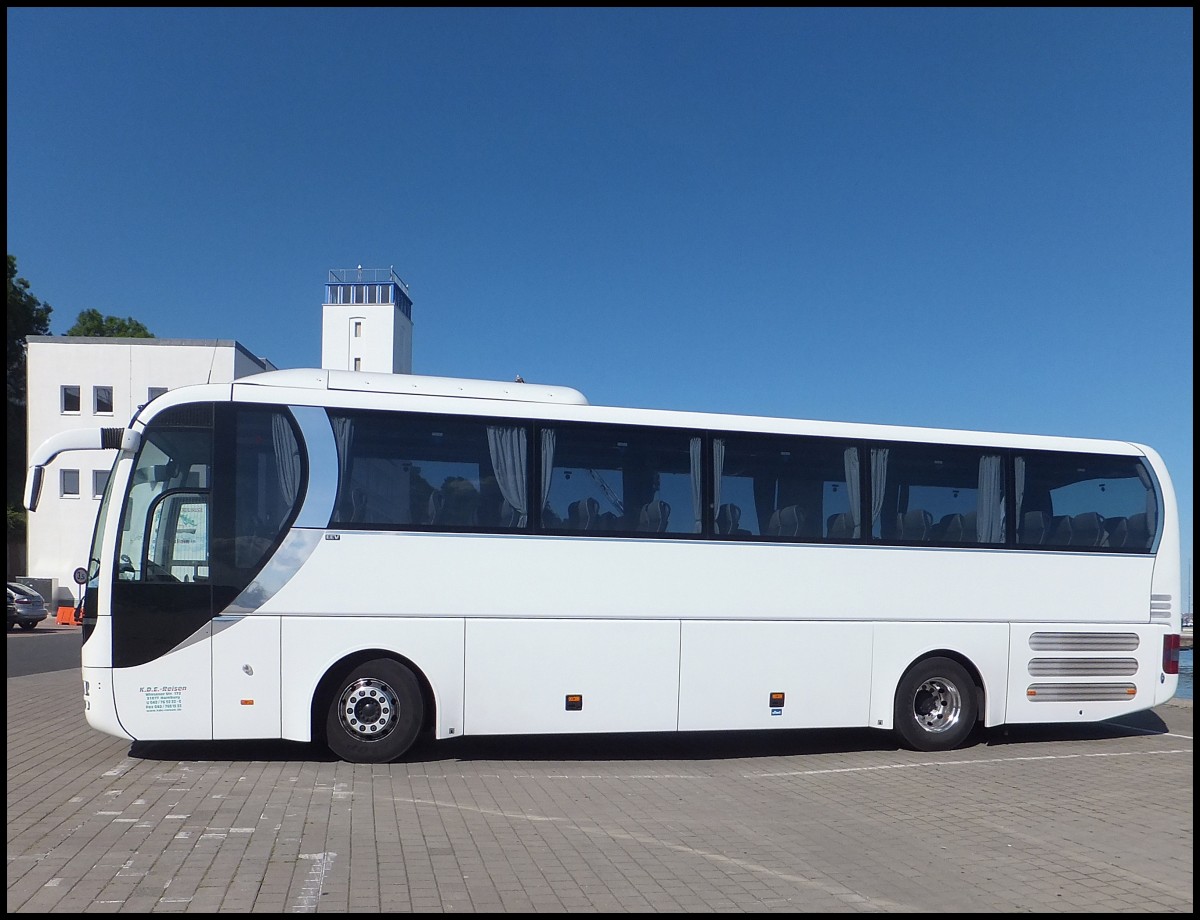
[[375, 712], [936, 705]]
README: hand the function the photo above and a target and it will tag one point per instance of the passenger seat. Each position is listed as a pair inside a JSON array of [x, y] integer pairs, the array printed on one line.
[[840, 527], [1116, 529], [1033, 527], [654, 516], [729, 519], [583, 514], [915, 524], [1087, 529], [1138, 536], [786, 522]]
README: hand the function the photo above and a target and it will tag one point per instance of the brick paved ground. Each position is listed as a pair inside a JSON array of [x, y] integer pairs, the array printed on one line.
[[1094, 818]]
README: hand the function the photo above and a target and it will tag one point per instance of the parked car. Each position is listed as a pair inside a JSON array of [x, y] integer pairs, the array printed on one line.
[[26, 608]]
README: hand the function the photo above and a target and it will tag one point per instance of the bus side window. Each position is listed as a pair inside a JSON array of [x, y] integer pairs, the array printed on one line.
[[1090, 501]]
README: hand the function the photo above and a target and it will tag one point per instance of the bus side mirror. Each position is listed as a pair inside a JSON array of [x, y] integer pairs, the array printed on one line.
[[33, 487]]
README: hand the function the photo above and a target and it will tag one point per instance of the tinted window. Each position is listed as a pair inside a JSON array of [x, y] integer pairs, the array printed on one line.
[[785, 488], [430, 471], [1084, 501], [621, 480], [932, 493], [267, 482]]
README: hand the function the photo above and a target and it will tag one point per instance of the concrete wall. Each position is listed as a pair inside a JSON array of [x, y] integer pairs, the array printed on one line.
[[383, 343]]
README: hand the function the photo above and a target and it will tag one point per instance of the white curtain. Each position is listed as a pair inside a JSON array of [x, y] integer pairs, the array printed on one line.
[[548, 439], [508, 449], [853, 491], [989, 505], [287, 458], [718, 471], [1019, 467], [695, 447], [879, 465]]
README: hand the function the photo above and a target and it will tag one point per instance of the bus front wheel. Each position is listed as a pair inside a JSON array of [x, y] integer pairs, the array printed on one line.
[[375, 712], [936, 705]]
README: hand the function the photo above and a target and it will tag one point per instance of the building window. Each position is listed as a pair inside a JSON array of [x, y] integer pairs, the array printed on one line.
[[70, 399], [99, 482], [358, 364], [358, 329], [103, 400], [154, 393], [69, 484]]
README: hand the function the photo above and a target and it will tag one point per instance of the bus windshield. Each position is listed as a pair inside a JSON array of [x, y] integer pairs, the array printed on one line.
[[164, 530], [93, 563]]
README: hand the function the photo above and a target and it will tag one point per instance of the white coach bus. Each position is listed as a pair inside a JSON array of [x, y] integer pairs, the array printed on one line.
[[354, 558]]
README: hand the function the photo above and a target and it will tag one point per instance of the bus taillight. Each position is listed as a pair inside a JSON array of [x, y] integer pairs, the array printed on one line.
[[1171, 654]]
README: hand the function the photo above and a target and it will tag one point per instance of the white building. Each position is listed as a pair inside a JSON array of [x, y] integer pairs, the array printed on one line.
[[97, 382]]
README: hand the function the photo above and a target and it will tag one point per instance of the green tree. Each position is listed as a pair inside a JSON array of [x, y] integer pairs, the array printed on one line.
[[26, 316], [92, 322]]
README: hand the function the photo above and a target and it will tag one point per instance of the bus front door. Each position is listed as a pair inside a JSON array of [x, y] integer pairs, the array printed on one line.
[[162, 623]]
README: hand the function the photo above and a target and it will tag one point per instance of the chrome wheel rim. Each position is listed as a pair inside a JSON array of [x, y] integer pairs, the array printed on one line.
[[937, 705], [368, 709]]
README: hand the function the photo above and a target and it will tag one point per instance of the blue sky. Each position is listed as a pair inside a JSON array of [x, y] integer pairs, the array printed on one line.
[[964, 218]]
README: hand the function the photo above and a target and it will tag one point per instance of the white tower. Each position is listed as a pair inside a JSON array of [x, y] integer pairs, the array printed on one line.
[[366, 322]]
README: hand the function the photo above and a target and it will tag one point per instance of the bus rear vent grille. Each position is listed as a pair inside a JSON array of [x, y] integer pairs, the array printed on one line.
[[1083, 642], [1160, 606], [1080, 693], [1083, 667]]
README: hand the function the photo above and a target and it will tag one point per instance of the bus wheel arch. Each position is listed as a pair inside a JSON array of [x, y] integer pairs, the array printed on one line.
[[371, 706], [938, 702]]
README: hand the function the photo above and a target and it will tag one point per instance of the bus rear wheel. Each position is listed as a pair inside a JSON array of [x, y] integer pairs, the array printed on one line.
[[936, 705], [375, 712]]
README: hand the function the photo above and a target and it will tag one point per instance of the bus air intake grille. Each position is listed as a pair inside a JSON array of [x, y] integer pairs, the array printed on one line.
[[1083, 667], [110, 438], [1083, 642], [1079, 693], [1160, 606]]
